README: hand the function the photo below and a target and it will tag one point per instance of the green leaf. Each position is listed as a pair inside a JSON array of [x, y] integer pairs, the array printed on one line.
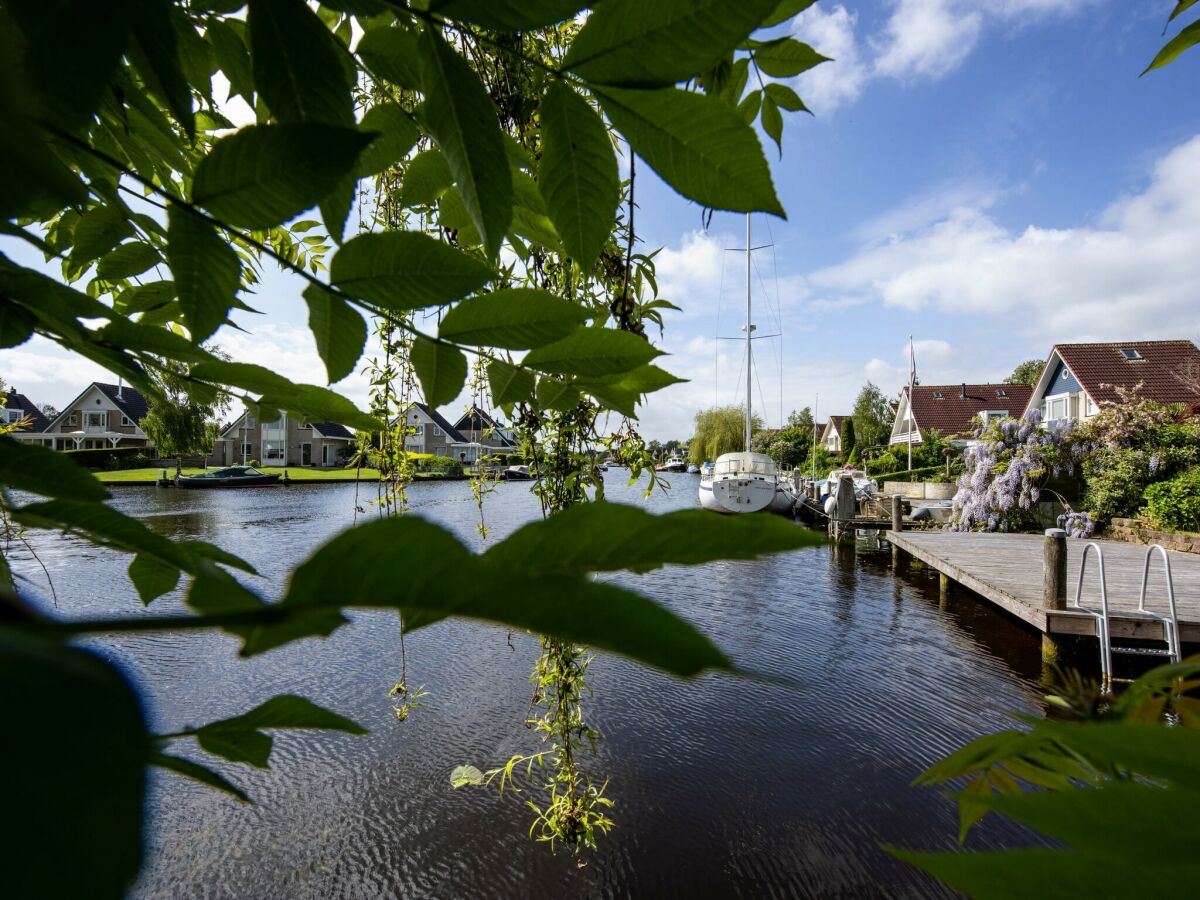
[[507, 15], [396, 135], [16, 326], [40, 470], [441, 369], [1185, 40], [578, 174], [464, 775], [772, 122], [785, 98], [207, 271], [233, 56], [127, 260], [513, 318], [358, 567], [786, 57], [405, 270], [749, 107], [152, 577], [786, 10], [453, 216], [99, 230], [339, 331], [462, 119], [699, 146], [556, 394], [653, 43], [318, 404], [74, 760], [391, 53], [592, 351], [336, 205], [608, 537], [197, 772], [155, 37], [425, 179], [266, 174], [509, 383], [242, 738], [1181, 7], [298, 67]]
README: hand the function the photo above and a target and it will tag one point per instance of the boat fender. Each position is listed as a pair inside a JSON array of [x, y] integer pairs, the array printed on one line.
[[830, 505]]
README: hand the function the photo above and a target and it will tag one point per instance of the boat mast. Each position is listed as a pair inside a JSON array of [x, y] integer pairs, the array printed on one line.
[[748, 329]]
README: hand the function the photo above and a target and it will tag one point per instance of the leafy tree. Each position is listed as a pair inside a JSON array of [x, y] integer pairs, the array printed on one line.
[[849, 437], [474, 126], [1027, 372], [720, 430], [872, 417], [49, 410], [178, 423], [802, 419]]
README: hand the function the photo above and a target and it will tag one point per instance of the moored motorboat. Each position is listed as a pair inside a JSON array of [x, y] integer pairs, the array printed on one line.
[[675, 464], [229, 477], [516, 473]]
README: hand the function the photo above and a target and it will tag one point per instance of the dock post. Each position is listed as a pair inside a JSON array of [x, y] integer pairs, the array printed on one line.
[[897, 513], [1054, 569], [945, 590]]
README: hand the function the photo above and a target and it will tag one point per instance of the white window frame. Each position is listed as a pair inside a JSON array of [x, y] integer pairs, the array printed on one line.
[[420, 432], [437, 431], [1048, 404], [73, 419], [87, 419], [989, 414], [125, 420]]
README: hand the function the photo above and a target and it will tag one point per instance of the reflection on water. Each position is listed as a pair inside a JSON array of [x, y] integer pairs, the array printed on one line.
[[724, 786]]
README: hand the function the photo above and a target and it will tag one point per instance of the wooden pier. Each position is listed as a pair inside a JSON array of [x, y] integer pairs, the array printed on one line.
[[1009, 571]]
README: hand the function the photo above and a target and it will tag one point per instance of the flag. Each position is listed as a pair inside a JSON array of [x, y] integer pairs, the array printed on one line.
[[912, 363]]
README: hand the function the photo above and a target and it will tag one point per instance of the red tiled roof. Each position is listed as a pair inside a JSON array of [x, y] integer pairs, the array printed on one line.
[[950, 414], [1161, 370]]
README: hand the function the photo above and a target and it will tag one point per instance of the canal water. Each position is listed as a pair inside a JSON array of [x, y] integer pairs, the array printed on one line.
[[723, 786]]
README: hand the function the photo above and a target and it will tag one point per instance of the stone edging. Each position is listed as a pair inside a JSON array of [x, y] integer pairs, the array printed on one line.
[[1137, 533]]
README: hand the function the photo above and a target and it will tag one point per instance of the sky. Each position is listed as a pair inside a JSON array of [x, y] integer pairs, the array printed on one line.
[[988, 176]]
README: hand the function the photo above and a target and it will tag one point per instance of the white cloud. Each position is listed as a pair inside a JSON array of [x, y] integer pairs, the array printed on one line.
[[830, 84], [918, 40], [927, 38], [1135, 273]]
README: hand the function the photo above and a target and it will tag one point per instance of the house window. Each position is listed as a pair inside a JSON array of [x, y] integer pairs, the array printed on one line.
[[13, 415], [1131, 353], [247, 451], [95, 420], [72, 419], [989, 415], [938, 395], [439, 451], [1001, 393], [1089, 407], [1055, 408], [420, 430], [250, 421], [437, 431], [273, 451], [126, 421], [1065, 374]]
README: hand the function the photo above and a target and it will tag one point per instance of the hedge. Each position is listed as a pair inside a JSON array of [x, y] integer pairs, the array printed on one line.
[[103, 457], [1174, 504]]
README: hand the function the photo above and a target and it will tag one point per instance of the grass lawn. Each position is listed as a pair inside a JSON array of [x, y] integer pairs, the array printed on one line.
[[149, 476]]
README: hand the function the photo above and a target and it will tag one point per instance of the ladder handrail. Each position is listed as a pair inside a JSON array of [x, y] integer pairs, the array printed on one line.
[[1172, 636], [1102, 616]]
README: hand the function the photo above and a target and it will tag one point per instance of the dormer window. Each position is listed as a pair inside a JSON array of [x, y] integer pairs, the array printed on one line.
[[938, 395], [1131, 353], [1002, 393]]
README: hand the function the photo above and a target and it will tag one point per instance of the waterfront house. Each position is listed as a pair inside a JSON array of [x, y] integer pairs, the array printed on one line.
[[952, 409], [430, 432], [285, 441], [19, 408], [103, 416], [478, 427], [831, 435], [1078, 378]]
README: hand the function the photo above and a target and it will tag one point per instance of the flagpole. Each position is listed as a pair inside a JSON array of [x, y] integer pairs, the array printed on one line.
[[912, 369], [816, 414]]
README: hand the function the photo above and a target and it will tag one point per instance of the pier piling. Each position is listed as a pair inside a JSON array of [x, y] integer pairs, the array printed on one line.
[[1054, 569], [897, 513]]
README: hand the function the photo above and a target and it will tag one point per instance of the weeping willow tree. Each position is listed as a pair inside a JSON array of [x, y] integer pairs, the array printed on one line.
[[720, 430]]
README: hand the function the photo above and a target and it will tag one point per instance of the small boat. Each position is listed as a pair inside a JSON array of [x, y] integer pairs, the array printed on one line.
[[230, 477], [675, 464], [693, 470], [516, 473], [706, 469]]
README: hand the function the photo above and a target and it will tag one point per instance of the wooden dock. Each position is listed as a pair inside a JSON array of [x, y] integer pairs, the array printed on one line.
[[1006, 569]]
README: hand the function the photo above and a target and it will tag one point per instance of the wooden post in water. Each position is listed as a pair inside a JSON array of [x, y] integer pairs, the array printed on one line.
[[945, 590], [897, 513], [1054, 569]]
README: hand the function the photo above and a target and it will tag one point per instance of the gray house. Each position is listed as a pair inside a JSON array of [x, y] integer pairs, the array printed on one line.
[[103, 416], [286, 441]]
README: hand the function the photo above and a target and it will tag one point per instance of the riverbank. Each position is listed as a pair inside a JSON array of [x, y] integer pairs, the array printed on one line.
[[151, 476]]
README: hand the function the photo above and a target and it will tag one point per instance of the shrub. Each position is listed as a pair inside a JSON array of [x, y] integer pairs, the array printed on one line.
[[99, 458], [1175, 504]]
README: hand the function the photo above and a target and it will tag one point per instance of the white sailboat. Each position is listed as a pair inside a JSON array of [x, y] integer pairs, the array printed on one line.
[[746, 481]]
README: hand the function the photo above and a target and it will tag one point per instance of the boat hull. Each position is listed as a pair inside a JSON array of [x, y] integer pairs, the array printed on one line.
[[736, 495], [193, 483]]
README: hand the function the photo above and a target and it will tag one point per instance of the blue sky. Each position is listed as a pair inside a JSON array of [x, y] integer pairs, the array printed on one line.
[[990, 176]]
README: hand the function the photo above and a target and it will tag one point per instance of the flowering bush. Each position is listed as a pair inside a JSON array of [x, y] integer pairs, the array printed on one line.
[[1005, 471]]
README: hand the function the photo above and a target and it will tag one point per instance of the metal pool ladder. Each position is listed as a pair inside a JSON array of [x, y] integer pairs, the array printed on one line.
[[1170, 623]]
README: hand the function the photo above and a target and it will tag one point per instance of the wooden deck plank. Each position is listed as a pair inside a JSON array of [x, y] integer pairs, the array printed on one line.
[[1006, 569]]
